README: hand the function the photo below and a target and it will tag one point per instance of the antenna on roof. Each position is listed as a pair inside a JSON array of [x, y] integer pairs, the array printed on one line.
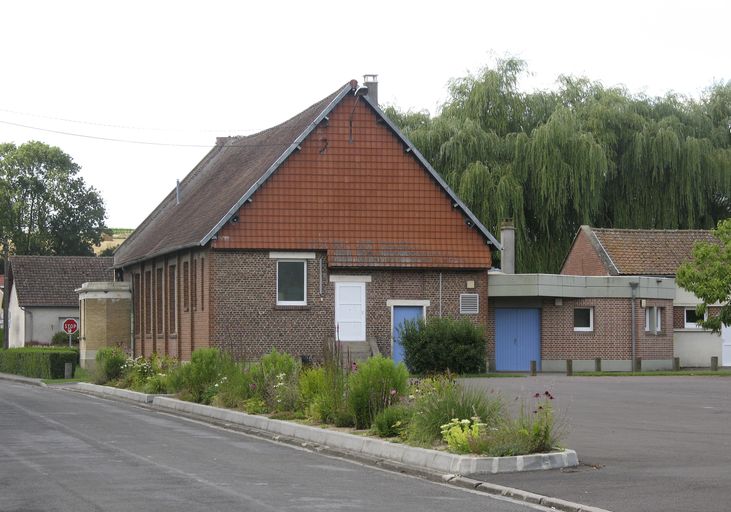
[[177, 192]]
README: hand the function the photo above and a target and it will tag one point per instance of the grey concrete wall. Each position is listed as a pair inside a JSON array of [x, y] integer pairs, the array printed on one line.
[[696, 347]]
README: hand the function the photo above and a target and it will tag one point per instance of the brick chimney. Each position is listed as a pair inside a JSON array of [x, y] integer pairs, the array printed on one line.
[[371, 81], [507, 240]]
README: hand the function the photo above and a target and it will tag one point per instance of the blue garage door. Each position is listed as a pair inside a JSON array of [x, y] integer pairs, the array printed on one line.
[[400, 314], [517, 339]]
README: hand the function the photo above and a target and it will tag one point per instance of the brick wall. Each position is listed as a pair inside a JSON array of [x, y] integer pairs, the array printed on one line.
[[583, 259], [163, 323], [247, 322], [611, 337]]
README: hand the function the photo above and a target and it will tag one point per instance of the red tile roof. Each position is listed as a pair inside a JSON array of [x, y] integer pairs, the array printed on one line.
[[51, 280], [651, 252], [237, 168]]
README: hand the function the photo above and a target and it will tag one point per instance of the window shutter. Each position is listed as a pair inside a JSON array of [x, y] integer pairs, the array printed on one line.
[[469, 303]]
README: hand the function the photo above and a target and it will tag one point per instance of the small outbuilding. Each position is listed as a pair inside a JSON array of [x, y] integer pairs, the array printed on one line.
[[41, 291]]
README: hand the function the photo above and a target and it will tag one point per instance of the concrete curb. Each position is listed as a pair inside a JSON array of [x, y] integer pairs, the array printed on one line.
[[408, 455], [125, 394], [25, 380], [421, 462]]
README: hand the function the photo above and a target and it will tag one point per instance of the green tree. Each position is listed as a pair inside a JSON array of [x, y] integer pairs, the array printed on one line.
[[47, 207], [708, 276], [582, 154]]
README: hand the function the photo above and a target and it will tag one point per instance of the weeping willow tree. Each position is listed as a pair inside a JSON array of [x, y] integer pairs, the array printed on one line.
[[582, 154]]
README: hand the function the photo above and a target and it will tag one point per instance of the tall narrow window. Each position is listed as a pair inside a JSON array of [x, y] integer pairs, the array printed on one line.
[[203, 283], [193, 287], [291, 283], [158, 300], [172, 300], [137, 282], [148, 302], [186, 287]]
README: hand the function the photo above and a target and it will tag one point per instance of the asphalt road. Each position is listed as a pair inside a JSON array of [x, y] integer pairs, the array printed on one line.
[[63, 451], [646, 443]]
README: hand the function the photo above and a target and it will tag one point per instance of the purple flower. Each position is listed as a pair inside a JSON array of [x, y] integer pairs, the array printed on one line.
[[393, 392]]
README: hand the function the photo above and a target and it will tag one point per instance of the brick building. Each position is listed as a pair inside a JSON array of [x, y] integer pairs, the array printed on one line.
[[657, 253], [330, 224]]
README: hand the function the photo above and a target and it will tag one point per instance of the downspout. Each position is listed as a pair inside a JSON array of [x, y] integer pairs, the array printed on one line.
[[633, 287], [440, 295]]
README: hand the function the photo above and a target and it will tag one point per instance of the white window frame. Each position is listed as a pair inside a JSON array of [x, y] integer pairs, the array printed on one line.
[[692, 325], [276, 291], [657, 311], [591, 320]]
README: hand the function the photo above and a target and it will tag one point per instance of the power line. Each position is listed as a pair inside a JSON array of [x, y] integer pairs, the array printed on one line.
[[145, 142], [124, 127]]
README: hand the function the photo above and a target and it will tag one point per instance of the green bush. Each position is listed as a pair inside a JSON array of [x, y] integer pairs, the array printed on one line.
[[235, 389], [109, 364], [198, 380], [378, 383], [443, 344], [275, 380], [437, 401], [392, 421], [41, 363], [61, 339], [311, 386]]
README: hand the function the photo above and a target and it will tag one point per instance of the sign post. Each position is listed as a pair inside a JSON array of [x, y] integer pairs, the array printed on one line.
[[70, 326]]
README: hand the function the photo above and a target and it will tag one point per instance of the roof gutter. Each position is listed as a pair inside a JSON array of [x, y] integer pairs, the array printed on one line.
[[343, 92]]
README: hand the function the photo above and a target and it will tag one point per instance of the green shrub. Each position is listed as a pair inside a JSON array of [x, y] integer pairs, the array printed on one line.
[[61, 339], [198, 380], [275, 380], [311, 386], [41, 363], [437, 401], [378, 383], [235, 388], [392, 421], [109, 364], [443, 344]]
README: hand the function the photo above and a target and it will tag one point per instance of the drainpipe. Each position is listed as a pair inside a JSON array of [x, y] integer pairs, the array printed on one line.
[[633, 287]]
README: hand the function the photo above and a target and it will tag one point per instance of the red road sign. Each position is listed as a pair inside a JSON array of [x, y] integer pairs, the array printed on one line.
[[70, 326]]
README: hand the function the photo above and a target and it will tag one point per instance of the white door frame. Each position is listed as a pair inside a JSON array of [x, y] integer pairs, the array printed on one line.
[[390, 303]]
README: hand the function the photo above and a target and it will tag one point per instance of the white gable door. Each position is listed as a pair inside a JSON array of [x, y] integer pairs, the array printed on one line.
[[350, 306]]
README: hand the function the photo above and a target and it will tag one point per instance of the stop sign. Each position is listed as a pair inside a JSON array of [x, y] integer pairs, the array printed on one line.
[[70, 326]]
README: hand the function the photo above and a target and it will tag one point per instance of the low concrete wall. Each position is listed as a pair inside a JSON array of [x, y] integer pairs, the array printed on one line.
[[608, 365], [695, 347]]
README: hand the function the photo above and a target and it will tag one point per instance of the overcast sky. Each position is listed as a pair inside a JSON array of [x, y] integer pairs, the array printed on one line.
[[182, 73]]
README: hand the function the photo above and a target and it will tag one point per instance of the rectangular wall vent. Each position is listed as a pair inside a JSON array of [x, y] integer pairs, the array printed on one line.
[[469, 303]]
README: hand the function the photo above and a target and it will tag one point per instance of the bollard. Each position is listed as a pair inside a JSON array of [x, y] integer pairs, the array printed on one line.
[[637, 367], [714, 364], [569, 367], [597, 364], [532, 368], [68, 371], [676, 364]]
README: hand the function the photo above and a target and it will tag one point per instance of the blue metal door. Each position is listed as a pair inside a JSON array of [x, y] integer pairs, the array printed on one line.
[[401, 314], [517, 339]]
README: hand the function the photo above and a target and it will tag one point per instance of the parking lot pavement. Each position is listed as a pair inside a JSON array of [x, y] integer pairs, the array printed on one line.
[[645, 443]]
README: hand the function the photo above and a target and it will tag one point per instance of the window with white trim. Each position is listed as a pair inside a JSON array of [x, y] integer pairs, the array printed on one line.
[[583, 319], [653, 319], [690, 318], [291, 283]]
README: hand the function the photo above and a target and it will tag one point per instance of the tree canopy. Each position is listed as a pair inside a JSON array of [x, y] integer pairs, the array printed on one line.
[[47, 208], [582, 154], [708, 276]]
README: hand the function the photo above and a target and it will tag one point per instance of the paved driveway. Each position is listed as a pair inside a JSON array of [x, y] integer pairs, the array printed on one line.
[[645, 443]]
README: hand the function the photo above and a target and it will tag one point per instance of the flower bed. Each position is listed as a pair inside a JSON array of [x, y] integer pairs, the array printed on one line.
[[376, 397]]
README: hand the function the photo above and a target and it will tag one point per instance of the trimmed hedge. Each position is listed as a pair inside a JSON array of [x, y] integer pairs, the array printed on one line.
[[40, 363]]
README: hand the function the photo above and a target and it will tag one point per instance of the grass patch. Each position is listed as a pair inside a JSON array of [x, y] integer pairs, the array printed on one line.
[[80, 375], [659, 373]]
